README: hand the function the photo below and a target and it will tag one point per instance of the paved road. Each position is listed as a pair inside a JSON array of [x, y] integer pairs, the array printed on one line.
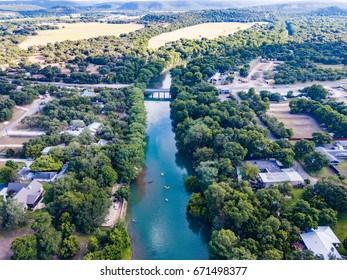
[[58, 84], [27, 162]]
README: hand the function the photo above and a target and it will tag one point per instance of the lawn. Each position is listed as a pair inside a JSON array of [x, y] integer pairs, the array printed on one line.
[[342, 167], [77, 31], [340, 229], [207, 30]]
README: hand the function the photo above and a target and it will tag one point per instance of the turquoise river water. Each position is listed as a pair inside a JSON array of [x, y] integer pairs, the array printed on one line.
[[157, 220]]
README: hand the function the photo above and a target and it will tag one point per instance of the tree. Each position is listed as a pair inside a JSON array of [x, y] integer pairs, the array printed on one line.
[[122, 193], [48, 243], [303, 215], [108, 176], [42, 222], [328, 192], [249, 172], [321, 138], [303, 147], [272, 254], [10, 152], [69, 247], [315, 92], [11, 164], [344, 243], [208, 172], [24, 248], [93, 244], [6, 173], [12, 213], [327, 216], [46, 163], [196, 207], [235, 152], [285, 156], [315, 161], [221, 244], [304, 255], [192, 183]]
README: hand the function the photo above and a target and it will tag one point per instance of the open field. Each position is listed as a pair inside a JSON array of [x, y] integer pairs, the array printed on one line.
[[303, 125], [207, 30], [342, 167], [331, 66], [77, 31]]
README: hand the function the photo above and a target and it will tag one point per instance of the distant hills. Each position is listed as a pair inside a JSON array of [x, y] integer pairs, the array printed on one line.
[[175, 5], [68, 7]]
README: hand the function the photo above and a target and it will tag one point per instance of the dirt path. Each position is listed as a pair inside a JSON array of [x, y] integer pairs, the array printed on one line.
[[6, 239]]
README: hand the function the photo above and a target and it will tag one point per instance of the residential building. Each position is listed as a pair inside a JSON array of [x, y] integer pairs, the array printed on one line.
[[329, 154], [45, 176], [27, 194], [272, 172], [322, 241], [87, 93], [94, 127]]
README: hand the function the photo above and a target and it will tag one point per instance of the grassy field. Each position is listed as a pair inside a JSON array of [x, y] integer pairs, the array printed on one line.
[[77, 31], [342, 167], [303, 125], [207, 30], [340, 229]]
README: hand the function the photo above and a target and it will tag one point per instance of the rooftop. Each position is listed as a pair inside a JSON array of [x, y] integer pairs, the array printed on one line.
[[321, 241], [279, 177]]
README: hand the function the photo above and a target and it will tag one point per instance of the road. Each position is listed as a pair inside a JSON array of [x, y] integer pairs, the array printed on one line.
[[58, 84], [33, 109], [27, 162], [282, 89]]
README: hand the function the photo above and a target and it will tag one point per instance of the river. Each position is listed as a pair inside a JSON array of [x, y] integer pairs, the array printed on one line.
[[157, 221]]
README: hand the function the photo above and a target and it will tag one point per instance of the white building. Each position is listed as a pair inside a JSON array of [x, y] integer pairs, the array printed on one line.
[[271, 178], [94, 127], [332, 158], [322, 241]]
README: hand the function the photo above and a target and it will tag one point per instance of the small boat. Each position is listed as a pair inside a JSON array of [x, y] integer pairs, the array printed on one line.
[[150, 182], [167, 187], [162, 174], [167, 200], [134, 220]]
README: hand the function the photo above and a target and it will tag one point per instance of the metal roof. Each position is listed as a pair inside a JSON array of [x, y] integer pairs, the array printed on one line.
[[321, 241], [278, 177]]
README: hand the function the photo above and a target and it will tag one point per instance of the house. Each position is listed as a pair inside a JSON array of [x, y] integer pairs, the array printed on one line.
[[102, 143], [94, 127], [322, 241], [27, 194], [45, 176], [87, 93], [328, 153], [342, 144], [76, 132], [286, 175], [46, 150], [25, 174]]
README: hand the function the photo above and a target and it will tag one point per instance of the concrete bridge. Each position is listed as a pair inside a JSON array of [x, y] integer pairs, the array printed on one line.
[[157, 94]]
